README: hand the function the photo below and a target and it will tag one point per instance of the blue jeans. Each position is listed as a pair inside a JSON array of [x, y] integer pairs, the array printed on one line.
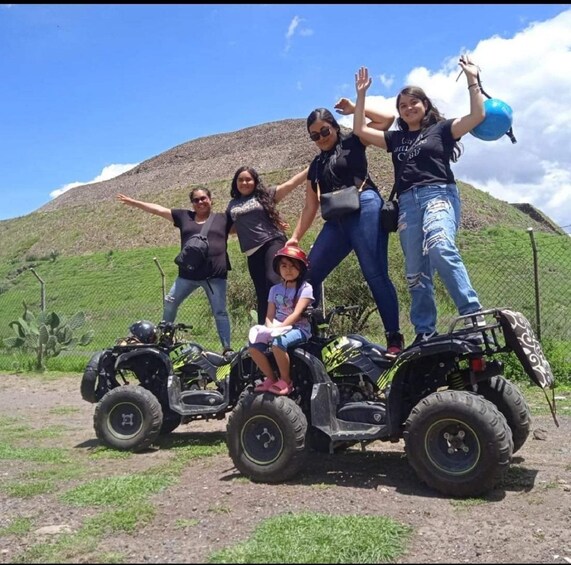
[[289, 340], [429, 218], [182, 288], [360, 232]]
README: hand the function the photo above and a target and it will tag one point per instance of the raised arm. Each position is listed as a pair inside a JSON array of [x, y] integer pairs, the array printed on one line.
[[282, 190], [155, 209], [379, 120], [461, 126], [307, 215], [367, 134]]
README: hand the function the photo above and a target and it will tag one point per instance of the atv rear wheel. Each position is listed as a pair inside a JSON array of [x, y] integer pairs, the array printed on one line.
[[265, 435], [128, 418], [459, 443], [509, 400]]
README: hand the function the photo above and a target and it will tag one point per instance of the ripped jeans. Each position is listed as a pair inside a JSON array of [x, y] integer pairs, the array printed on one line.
[[429, 217]]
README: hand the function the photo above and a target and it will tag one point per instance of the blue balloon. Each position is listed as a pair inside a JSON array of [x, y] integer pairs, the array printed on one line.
[[498, 120]]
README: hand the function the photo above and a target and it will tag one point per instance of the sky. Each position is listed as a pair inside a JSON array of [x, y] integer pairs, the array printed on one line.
[[89, 91]]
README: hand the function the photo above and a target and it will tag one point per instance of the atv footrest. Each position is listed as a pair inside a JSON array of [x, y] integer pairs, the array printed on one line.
[[194, 403], [355, 431]]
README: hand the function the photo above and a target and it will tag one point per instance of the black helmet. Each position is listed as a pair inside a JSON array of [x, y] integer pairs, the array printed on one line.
[[144, 331]]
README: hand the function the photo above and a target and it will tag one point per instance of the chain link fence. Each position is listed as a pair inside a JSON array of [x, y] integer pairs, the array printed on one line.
[[527, 272]]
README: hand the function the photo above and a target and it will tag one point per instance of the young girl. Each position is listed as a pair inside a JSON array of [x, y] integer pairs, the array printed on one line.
[[285, 327]]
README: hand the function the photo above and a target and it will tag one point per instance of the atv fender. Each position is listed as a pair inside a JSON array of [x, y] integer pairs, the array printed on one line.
[[128, 356], [520, 337], [314, 367]]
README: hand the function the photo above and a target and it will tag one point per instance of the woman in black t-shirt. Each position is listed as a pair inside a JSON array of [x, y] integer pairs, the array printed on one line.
[[253, 216], [429, 202], [342, 162], [213, 274]]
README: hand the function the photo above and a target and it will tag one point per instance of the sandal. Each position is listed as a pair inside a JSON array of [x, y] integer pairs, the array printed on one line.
[[281, 388], [265, 385]]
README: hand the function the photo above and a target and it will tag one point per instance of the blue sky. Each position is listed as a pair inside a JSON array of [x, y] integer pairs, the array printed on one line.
[[89, 91]]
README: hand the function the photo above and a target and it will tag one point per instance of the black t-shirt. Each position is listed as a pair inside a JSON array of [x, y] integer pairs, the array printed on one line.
[[343, 165], [218, 263], [429, 161], [253, 225]]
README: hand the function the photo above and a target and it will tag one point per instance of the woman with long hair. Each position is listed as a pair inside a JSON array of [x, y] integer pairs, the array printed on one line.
[[422, 149], [253, 216]]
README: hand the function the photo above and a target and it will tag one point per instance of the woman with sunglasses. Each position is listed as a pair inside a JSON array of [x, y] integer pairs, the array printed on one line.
[[213, 274], [253, 216], [342, 162]]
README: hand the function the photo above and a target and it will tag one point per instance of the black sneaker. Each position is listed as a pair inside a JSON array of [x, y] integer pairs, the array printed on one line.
[[421, 338], [476, 322], [395, 343]]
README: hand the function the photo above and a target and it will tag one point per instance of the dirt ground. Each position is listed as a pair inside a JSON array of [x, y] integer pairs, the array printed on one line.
[[527, 519]]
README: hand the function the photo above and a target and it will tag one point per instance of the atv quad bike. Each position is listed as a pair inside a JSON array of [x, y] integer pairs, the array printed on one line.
[[460, 419], [142, 390]]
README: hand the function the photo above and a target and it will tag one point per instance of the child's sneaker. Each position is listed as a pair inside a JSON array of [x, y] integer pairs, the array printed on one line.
[[265, 385], [281, 388]]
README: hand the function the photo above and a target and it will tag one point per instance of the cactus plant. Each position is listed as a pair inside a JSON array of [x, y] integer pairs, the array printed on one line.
[[46, 335]]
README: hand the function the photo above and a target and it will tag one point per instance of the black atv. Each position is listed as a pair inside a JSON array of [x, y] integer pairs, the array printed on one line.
[[142, 390], [460, 419]]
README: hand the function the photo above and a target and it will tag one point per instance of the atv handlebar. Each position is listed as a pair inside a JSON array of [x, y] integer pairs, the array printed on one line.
[[316, 314], [170, 326]]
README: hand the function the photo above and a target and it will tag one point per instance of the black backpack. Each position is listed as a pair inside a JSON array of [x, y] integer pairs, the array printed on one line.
[[195, 251]]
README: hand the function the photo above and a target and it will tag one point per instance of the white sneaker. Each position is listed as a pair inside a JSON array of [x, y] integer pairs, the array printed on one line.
[[475, 321]]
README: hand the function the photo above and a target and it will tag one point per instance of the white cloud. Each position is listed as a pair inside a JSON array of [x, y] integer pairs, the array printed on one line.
[[530, 72], [293, 28], [109, 172], [386, 81]]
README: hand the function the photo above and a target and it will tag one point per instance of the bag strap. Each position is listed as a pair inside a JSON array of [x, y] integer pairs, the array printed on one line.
[[358, 190], [403, 163], [206, 225]]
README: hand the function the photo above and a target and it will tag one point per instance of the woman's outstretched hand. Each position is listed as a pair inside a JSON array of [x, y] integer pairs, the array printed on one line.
[[469, 68], [362, 80], [125, 199], [344, 106]]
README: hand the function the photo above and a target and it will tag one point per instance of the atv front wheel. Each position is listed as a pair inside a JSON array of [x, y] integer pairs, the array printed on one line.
[[458, 443], [509, 400], [265, 435], [128, 418]]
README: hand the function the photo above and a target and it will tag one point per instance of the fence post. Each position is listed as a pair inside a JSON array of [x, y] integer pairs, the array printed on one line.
[[162, 276], [43, 290], [536, 282]]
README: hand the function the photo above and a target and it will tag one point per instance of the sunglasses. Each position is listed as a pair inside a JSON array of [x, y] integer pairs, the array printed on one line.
[[323, 132], [199, 199]]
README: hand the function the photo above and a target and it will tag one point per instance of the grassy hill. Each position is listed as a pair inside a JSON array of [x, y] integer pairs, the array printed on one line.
[[88, 218]]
